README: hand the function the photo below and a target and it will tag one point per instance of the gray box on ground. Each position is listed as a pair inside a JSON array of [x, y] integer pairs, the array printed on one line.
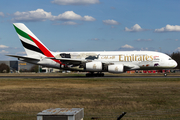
[[61, 114]]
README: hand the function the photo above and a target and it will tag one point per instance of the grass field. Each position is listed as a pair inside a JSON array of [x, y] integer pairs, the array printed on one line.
[[106, 98]]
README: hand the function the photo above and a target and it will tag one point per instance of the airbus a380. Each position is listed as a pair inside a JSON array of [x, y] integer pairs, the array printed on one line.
[[92, 62]]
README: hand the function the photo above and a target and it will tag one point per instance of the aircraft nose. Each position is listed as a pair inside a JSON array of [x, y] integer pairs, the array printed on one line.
[[175, 63]]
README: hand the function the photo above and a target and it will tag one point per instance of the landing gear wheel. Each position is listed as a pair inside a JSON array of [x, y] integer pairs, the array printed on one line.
[[95, 75], [102, 75], [165, 74], [89, 75]]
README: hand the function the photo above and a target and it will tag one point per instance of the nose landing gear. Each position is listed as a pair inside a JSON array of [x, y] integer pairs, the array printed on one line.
[[165, 74]]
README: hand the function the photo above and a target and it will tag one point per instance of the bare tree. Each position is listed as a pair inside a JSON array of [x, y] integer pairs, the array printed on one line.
[[4, 68], [34, 68]]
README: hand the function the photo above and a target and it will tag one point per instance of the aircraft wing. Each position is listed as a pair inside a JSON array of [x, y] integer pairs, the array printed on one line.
[[79, 61], [71, 61], [23, 57], [131, 66]]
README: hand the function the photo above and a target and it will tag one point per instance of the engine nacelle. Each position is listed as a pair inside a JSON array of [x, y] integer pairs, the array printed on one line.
[[94, 66], [116, 68]]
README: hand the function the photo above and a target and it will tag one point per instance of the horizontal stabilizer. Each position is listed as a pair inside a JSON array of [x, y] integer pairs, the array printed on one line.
[[23, 57]]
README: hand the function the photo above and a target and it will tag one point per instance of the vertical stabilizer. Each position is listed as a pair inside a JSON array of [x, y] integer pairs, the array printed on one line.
[[32, 45]]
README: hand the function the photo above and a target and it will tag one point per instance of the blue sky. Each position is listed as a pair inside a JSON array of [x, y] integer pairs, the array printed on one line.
[[92, 25]]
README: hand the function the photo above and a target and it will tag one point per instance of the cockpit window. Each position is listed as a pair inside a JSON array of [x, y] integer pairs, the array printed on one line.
[[170, 58]]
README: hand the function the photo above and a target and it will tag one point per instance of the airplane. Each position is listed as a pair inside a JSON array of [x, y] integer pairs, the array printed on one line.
[[95, 63]]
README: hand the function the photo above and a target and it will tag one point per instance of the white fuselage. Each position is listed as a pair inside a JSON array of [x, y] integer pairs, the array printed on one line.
[[131, 59]]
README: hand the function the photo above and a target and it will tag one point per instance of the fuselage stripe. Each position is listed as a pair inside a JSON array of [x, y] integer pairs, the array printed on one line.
[[44, 49], [31, 47], [22, 33]]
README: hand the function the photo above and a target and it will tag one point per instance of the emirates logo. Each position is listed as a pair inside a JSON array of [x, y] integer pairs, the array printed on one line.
[[116, 69], [94, 66]]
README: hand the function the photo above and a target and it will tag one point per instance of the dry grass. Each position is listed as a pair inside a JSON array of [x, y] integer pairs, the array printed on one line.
[[142, 98]]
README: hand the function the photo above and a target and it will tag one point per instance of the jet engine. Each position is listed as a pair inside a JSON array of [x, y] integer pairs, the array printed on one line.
[[116, 68], [93, 66]]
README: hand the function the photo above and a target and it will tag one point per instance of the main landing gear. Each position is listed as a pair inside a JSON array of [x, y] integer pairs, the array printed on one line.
[[91, 74]]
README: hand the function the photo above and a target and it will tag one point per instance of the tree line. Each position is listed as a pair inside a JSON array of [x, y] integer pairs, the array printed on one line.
[[6, 69]]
